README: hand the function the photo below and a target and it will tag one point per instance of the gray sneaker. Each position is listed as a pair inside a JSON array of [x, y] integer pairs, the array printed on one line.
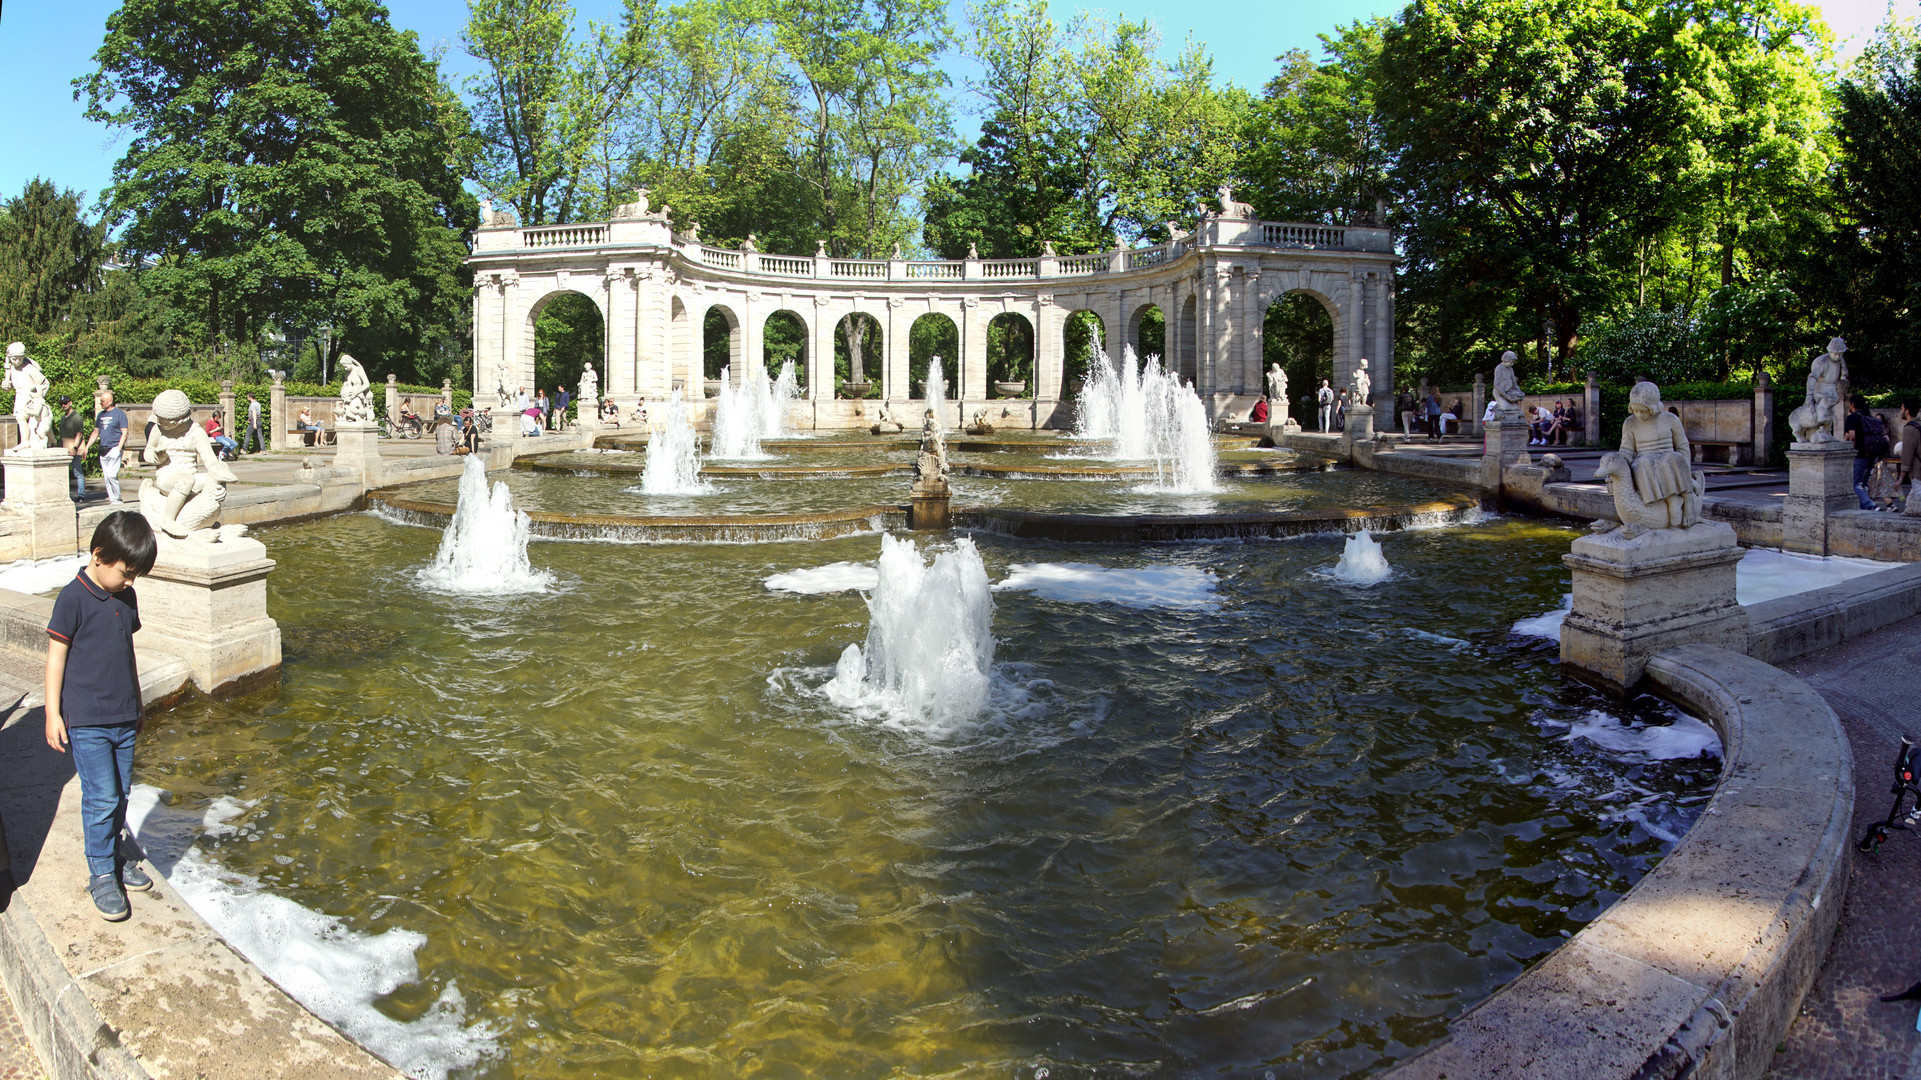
[[109, 899], [133, 877]]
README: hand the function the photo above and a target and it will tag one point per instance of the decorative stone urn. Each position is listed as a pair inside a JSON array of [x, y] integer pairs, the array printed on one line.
[[713, 387], [856, 389], [1010, 389]]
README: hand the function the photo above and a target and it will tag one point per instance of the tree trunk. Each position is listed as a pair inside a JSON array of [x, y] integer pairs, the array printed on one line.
[[855, 330]]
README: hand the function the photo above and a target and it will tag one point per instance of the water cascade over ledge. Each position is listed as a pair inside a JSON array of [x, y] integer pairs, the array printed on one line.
[[1145, 413], [928, 661], [484, 548], [673, 453], [754, 410]]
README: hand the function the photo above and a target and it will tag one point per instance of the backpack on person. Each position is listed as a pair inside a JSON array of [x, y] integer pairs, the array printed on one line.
[[1874, 436]]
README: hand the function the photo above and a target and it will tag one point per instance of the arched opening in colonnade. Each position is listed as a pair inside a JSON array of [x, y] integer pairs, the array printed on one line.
[[569, 335], [1081, 335], [783, 340], [1010, 355], [933, 334], [1297, 333], [1189, 361], [1147, 332], [720, 342], [857, 356]]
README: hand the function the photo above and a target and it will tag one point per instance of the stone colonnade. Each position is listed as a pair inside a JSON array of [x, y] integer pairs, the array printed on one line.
[[654, 290]]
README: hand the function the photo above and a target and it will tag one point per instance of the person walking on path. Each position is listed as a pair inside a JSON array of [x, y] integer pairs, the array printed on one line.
[[110, 431], [1870, 438], [1340, 409], [1433, 406], [561, 400], [93, 699], [72, 427], [253, 443], [1325, 396]]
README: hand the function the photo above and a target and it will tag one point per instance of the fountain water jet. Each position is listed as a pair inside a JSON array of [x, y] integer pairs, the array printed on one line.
[[1362, 562], [928, 661], [673, 453], [484, 549], [1146, 413], [754, 410]]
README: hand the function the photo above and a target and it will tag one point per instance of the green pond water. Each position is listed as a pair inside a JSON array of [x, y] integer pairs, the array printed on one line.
[[1292, 829], [533, 490]]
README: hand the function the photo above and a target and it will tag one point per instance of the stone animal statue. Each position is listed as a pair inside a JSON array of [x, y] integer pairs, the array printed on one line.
[[887, 425], [1230, 208], [1636, 517], [980, 426]]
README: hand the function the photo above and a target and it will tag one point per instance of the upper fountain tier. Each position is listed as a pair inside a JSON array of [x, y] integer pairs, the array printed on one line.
[[662, 294]]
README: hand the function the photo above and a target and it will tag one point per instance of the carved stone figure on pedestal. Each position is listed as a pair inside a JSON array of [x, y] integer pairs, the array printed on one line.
[[1231, 209], [1816, 420], [981, 425], [886, 424], [1363, 386], [1507, 388], [356, 394], [589, 391], [500, 384], [1277, 403], [1651, 478], [30, 408], [930, 467], [181, 499]]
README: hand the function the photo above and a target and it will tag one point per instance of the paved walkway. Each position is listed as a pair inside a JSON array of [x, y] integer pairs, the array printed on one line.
[[1844, 1030]]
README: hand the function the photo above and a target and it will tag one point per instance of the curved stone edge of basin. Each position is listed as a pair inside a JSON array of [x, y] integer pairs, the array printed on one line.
[[709, 528], [1699, 969], [1173, 528], [724, 472]]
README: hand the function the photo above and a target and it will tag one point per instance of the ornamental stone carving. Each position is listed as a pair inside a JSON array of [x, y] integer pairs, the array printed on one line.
[[190, 481], [1650, 478], [1814, 421], [356, 393], [1507, 389], [30, 409]]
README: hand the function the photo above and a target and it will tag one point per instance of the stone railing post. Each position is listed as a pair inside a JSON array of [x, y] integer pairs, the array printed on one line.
[[1591, 412], [227, 422], [1763, 423], [277, 414], [393, 397], [1116, 260], [447, 393], [971, 268], [1050, 266], [1478, 406]]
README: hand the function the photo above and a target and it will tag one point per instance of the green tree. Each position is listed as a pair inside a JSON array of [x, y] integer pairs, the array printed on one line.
[[289, 165], [50, 259], [1313, 148]]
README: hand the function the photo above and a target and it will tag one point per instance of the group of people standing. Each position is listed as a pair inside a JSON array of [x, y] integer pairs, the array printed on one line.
[[541, 413], [1425, 413], [1883, 459]]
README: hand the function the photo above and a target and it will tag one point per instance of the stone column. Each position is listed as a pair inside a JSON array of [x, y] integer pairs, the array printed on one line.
[[1591, 412], [1478, 405], [40, 495], [1635, 597], [973, 371], [1250, 335], [820, 353], [1503, 441], [207, 604], [357, 446], [447, 393], [893, 351], [1820, 483], [1763, 423], [230, 422], [1048, 362], [1114, 325], [393, 398], [277, 415]]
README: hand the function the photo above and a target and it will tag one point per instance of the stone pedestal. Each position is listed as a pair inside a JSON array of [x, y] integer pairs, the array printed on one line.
[[1633, 598], [207, 604], [1360, 424], [929, 508], [1276, 431], [357, 445], [1820, 482], [1503, 442], [40, 492]]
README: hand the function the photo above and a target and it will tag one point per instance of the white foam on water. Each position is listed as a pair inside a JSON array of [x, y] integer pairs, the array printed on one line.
[[1362, 561], [1686, 737], [1767, 574], [319, 960], [1762, 574], [673, 453], [45, 575], [1139, 587], [1548, 624], [1436, 639], [484, 548], [927, 665], [1146, 413], [756, 409], [834, 577]]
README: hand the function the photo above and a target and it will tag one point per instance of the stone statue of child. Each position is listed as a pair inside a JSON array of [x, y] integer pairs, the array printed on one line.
[[930, 468], [589, 389], [1363, 385], [1507, 388], [180, 499], [1659, 489], [30, 409], [1816, 420], [356, 393]]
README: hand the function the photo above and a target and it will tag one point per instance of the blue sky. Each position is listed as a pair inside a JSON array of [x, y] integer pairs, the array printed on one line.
[[45, 44]]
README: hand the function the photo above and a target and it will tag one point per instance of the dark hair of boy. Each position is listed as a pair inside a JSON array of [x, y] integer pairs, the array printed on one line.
[[124, 537]]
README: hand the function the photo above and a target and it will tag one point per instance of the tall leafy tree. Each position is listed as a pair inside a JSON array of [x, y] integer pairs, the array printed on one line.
[[291, 164], [50, 259], [1313, 148]]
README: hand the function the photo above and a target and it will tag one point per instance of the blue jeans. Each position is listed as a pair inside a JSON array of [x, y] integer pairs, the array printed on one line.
[[79, 469], [103, 756], [1862, 467]]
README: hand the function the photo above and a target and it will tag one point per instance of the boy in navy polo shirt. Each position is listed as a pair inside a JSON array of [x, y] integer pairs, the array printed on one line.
[[93, 698]]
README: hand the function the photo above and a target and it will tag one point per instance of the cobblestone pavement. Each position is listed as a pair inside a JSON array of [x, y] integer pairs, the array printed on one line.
[[1844, 1029], [17, 1061]]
